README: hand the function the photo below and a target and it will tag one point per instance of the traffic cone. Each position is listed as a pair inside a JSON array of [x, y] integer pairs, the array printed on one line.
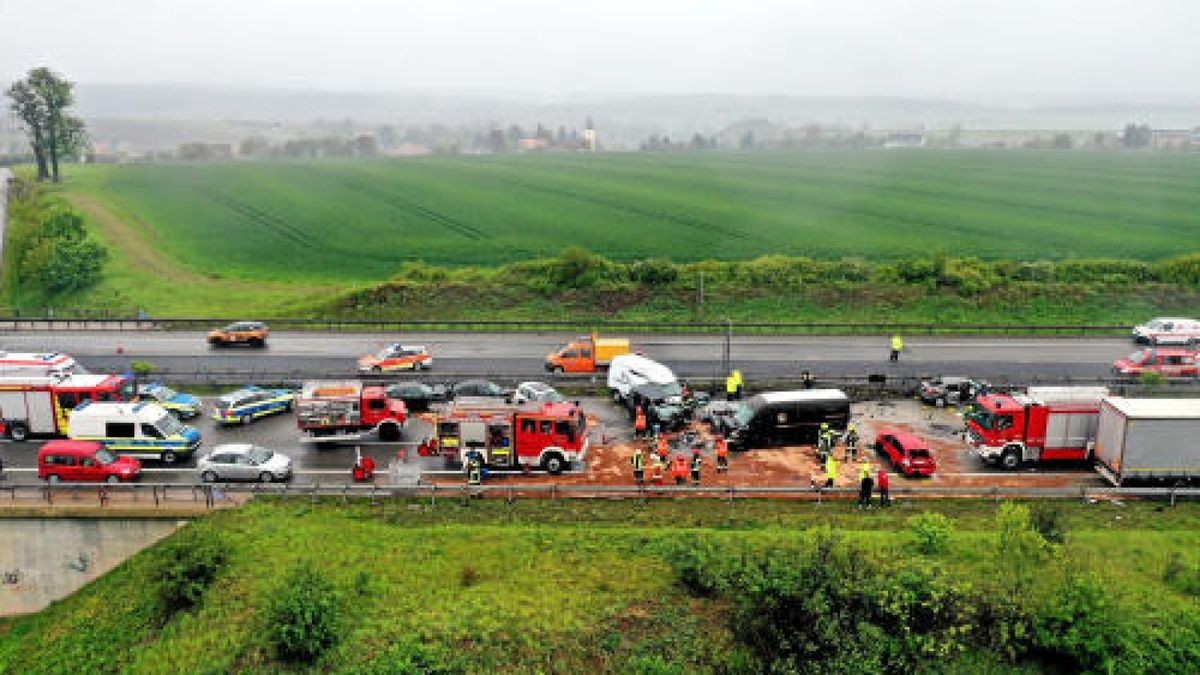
[[120, 348]]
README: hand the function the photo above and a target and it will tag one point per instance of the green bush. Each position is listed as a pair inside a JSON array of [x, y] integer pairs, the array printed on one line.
[[653, 272], [1184, 270], [1047, 521], [306, 615], [1078, 629], [932, 532], [190, 561]]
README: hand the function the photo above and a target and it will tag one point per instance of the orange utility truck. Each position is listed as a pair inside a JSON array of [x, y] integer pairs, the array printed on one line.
[[586, 355]]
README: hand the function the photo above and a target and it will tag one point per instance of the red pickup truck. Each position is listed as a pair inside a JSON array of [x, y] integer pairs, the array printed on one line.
[[908, 452]]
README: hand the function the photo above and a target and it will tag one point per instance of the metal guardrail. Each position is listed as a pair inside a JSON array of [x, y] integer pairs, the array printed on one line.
[[215, 495], [130, 322]]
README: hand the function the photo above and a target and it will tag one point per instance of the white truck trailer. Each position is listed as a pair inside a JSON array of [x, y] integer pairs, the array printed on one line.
[[1148, 440]]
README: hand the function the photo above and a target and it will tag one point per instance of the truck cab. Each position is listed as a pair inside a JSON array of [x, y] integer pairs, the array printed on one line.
[[586, 355]]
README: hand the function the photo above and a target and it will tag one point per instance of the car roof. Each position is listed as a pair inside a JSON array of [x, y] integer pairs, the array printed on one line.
[[234, 448], [67, 445], [907, 438], [244, 392], [541, 386]]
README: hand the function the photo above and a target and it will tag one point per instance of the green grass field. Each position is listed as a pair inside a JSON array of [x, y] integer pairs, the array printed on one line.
[[320, 221]]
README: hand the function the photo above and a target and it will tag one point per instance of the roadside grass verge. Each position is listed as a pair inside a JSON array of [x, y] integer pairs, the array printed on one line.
[[568, 586]]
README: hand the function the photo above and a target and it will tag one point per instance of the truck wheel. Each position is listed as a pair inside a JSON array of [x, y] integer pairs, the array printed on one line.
[[169, 457], [553, 463], [208, 477], [941, 402], [1010, 460], [266, 477], [257, 342], [18, 431], [54, 479], [376, 369], [247, 418], [389, 432]]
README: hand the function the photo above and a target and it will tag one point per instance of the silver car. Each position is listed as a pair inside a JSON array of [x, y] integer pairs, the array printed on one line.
[[536, 392], [243, 461]]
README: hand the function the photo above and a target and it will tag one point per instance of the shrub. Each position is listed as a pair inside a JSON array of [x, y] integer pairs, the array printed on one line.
[[190, 562], [1047, 521], [1181, 577], [932, 532], [305, 617], [1078, 627], [1182, 270], [653, 272]]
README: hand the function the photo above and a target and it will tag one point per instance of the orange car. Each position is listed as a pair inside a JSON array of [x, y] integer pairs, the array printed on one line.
[[396, 357], [253, 333]]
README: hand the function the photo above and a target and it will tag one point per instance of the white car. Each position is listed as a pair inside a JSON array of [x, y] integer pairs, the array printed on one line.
[[536, 392], [1168, 331], [243, 461]]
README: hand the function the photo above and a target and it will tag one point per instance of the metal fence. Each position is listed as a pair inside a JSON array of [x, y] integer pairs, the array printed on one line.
[[101, 320], [212, 496]]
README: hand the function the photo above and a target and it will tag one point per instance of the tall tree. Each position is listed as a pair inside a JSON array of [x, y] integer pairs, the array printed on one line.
[[42, 101], [27, 106]]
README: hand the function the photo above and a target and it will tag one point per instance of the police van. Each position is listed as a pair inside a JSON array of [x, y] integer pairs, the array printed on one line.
[[143, 430]]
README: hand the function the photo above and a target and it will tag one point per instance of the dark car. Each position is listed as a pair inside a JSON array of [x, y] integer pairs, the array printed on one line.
[[477, 389], [942, 391], [785, 418], [663, 403], [417, 396]]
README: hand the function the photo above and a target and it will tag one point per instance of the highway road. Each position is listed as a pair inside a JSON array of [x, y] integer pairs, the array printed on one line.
[[520, 354]]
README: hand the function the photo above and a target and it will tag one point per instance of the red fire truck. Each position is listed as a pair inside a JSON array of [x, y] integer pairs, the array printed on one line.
[[328, 412], [1042, 424], [41, 404], [549, 436]]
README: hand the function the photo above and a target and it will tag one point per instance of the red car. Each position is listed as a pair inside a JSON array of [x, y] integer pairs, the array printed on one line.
[[87, 461], [1170, 361], [908, 452]]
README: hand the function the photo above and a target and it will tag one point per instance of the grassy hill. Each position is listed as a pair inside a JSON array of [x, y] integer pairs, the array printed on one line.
[[666, 587]]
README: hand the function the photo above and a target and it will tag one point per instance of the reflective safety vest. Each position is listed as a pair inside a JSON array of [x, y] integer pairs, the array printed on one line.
[[722, 447], [897, 343], [639, 420], [696, 464], [638, 460], [864, 471], [663, 448], [831, 467], [680, 468]]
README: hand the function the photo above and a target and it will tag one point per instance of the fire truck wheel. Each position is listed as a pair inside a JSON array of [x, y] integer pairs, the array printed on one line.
[[553, 463], [18, 431], [389, 432], [169, 457], [1011, 459]]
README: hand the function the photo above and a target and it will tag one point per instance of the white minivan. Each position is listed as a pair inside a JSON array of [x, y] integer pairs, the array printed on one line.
[[143, 430], [1168, 331], [631, 370]]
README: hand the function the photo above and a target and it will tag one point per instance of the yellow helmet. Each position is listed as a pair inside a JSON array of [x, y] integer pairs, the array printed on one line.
[[824, 425], [850, 428]]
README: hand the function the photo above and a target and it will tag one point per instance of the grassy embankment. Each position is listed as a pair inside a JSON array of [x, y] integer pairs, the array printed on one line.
[[663, 587], [448, 237]]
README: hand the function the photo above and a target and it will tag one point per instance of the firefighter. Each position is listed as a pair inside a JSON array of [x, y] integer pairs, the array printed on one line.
[[474, 469], [733, 385], [657, 468], [851, 444], [697, 464], [865, 484], [722, 448], [663, 448], [885, 483], [806, 379], [897, 347], [823, 441], [639, 466], [831, 470], [830, 440], [679, 470], [639, 422]]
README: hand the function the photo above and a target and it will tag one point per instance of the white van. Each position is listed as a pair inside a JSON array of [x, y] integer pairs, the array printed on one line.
[[631, 370], [40, 364], [1168, 331], [144, 430]]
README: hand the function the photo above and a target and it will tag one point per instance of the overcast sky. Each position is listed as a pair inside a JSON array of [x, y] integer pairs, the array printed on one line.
[[964, 49]]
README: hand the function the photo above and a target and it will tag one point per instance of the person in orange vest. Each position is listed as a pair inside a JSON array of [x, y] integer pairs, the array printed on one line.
[[639, 422], [663, 448], [697, 464], [722, 448], [679, 470]]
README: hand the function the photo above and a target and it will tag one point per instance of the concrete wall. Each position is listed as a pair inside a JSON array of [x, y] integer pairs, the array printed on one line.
[[47, 559]]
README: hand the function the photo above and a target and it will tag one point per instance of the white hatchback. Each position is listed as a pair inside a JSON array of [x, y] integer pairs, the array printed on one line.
[[243, 461]]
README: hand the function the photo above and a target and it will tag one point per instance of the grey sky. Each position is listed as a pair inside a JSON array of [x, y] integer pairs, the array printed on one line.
[[969, 49]]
